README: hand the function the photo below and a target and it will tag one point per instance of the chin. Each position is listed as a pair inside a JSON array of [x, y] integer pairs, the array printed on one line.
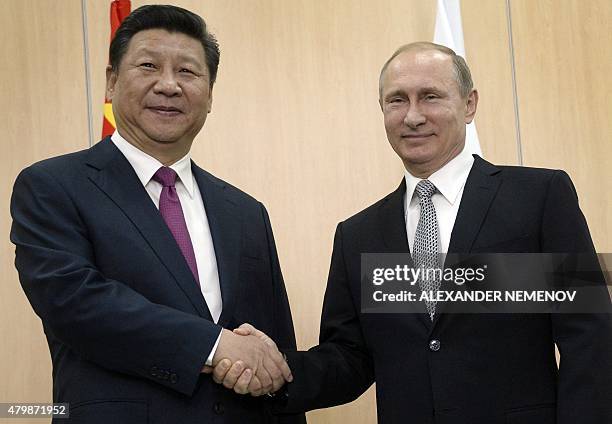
[[164, 137], [416, 156]]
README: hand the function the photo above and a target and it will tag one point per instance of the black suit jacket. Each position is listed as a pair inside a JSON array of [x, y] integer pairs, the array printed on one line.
[[490, 368], [127, 326]]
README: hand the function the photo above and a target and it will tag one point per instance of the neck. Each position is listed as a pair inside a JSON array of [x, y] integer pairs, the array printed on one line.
[[422, 174], [166, 153], [166, 158]]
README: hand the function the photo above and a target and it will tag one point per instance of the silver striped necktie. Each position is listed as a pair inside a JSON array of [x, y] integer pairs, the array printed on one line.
[[426, 243]]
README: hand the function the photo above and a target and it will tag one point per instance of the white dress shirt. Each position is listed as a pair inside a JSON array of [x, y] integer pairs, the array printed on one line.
[[189, 194], [449, 181]]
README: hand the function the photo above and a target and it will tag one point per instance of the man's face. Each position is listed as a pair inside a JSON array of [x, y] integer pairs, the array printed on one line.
[[161, 93], [424, 112]]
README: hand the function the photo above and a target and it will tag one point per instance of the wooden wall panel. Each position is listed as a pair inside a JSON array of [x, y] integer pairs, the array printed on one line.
[[44, 114], [486, 42], [564, 80]]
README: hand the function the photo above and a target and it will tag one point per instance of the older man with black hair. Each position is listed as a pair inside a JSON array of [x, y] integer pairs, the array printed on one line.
[[138, 261]]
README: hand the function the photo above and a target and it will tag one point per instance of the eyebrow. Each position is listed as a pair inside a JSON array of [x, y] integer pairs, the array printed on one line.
[[394, 93]]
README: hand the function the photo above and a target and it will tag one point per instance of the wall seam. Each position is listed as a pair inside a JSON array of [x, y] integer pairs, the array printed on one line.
[[517, 120], [87, 71]]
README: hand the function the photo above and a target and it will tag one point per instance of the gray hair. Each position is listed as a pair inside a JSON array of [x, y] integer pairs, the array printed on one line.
[[462, 71]]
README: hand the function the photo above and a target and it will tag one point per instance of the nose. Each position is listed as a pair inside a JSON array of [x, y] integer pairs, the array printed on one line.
[[414, 117], [167, 84]]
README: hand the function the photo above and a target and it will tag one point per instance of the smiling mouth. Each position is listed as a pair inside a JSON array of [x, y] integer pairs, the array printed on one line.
[[416, 136], [165, 110]]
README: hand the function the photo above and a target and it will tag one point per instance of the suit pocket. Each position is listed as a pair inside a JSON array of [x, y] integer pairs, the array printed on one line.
[[535, 414], [115, 411]]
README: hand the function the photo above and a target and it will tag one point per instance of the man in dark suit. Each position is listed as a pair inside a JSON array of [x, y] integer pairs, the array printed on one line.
[[137, 260], [437, 367]]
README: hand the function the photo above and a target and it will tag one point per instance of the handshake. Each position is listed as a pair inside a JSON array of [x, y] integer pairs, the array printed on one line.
[[248, 361]]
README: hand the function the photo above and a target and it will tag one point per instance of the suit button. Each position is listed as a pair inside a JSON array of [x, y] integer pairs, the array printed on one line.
[[218, 408], [434, 345]]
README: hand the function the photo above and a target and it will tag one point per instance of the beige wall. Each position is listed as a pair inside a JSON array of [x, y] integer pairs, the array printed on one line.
[[45, 114], [296, 123]]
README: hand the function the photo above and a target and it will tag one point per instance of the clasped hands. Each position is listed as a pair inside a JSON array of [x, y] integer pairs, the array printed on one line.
[[248, 361]]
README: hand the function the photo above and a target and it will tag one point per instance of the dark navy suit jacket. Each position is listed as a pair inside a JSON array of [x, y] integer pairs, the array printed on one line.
[[127, 326], [489, 368]]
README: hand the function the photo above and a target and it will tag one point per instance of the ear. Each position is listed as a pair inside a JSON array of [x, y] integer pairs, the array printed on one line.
[[470, 106], [111, 80]]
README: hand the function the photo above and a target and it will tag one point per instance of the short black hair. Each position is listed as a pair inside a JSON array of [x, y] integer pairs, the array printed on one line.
[[172, 19]]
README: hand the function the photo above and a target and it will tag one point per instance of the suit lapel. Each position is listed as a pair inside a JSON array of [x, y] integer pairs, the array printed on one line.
[[224, 220], [480, 190], [111, 172], [392, 222]]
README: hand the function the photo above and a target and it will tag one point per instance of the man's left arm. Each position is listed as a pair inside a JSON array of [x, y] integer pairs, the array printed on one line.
[[584, 339]]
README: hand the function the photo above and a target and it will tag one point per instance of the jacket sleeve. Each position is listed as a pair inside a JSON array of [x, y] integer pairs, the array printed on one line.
[[340, 368], [284, 335], [102, 320], [584, 339]]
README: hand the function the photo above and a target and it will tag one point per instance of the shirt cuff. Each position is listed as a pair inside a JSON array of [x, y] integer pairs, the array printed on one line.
[[212, 352]]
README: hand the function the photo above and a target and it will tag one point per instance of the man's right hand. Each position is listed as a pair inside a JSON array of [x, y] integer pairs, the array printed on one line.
[[249, 363]]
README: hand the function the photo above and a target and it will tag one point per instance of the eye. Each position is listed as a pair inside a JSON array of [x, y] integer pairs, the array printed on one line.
[[188, 71], [431, 97], [147, 65]]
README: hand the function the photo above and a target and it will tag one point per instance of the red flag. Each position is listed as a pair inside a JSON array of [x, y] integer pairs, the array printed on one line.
[[119, 9]]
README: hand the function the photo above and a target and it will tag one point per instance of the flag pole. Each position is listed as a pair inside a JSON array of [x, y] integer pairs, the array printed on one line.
[[517, 121], [87, 72]]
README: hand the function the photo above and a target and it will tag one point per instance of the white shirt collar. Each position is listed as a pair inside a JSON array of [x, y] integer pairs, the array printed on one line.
[[146, 165], [449, 180]]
